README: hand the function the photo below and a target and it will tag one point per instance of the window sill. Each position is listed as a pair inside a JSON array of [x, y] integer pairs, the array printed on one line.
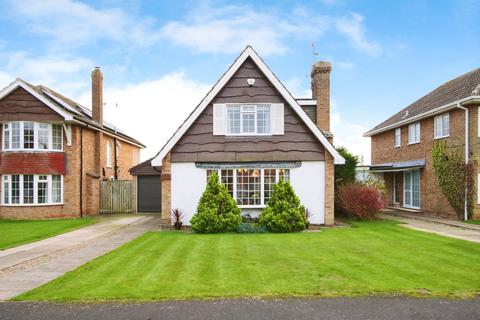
[[249, 135], [397, 147], [412, 143], [252, 206], [31, 150], [32, 204], [442, 137]]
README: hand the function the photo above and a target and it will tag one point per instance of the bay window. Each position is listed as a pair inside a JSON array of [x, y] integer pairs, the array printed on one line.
[[29, 189], [248, 119], [250, 187], [29, 135]]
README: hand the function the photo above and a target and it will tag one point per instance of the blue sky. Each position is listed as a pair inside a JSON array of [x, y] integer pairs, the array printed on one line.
[[160, 57]]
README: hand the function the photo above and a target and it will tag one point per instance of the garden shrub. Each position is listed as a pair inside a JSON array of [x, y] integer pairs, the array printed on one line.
[[346, 173], [217, 211], [284, 212], [361, 201]]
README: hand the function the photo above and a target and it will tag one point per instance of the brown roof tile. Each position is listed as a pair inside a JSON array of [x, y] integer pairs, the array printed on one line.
[[464, 86]]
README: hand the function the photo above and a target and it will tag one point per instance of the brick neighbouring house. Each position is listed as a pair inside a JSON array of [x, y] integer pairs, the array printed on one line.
[[402, 145], [251, 131], [54, 152]]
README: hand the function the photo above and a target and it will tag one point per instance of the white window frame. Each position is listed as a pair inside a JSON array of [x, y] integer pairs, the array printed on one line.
[[243, 111], [262, 183], [416, 138], [36, 130], [440, 126], [398, 137], [411, 206], [8, 179], [109, 159]]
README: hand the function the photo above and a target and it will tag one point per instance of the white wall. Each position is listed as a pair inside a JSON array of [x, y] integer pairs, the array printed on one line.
[[188, 184], [308, 181]]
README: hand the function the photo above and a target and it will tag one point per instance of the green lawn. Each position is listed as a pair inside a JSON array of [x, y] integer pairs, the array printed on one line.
[[17, 232], [370, 258], [473, 221]]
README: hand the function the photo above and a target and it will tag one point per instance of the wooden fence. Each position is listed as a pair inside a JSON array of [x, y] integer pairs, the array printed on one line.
[[116, 196]]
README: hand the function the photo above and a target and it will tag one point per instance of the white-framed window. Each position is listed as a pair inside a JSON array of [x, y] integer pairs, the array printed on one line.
[[30, 135], [248, 119], [441, 126], [398, 137], [30, 189], [109, 154], [414, 133], [250, 187]]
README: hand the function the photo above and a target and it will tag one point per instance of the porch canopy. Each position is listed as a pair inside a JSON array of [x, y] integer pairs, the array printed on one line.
[[398, 166]]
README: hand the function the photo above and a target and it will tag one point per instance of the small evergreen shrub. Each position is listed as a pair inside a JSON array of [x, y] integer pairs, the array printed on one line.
[[284, 212], [217, 211], [361, 201]]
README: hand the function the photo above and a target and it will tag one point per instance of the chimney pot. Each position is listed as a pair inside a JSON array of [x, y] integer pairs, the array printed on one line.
[[97, 96]]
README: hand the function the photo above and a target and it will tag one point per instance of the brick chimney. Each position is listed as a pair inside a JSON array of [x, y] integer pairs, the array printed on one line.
[[97, 95], [321, 92]]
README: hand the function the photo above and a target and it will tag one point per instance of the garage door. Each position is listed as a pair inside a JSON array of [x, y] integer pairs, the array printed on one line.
[[149, 194]]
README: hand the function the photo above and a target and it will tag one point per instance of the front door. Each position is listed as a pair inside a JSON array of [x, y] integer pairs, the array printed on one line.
[[411, 189]]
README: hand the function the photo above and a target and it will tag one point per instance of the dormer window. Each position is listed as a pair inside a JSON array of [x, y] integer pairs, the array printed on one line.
[[248, 119], [32, 136]]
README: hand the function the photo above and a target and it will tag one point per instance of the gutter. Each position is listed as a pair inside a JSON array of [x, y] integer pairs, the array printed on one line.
[[427, 114], [465, 211]]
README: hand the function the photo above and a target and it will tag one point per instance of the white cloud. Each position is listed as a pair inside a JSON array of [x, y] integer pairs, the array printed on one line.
[[151, 111], [349, 135], [297, 87], [229, 29], [353, 27], [75, 23], [50, 69]]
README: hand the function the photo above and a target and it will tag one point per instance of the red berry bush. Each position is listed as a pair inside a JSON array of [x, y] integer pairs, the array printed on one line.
[[361, 201]]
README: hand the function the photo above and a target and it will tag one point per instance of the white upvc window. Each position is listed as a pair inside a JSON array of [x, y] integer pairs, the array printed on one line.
[[32, 136], [250, 187], [31, 190], [109, 154], [414, 133], [398, 137], [441, 126], [248, 119]]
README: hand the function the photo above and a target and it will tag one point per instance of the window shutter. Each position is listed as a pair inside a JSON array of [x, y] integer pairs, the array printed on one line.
[[219, 119], [277, 118]]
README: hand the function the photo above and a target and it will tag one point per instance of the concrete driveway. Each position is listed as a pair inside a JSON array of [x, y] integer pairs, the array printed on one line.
[[28, 266], [371, 308]]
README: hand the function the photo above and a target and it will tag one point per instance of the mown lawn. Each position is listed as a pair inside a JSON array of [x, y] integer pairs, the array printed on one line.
[[370, 258], [473, 221], [17, 232]]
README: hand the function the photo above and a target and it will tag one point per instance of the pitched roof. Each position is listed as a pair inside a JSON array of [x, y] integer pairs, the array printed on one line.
[[247, 53], [464, 86], [66, 107]]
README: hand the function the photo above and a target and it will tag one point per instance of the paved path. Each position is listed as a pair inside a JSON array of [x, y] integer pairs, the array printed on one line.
[[372, 308], [447, 228], [28, 266]]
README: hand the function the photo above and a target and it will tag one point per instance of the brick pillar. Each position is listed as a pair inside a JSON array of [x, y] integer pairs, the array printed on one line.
[[321, 92], [329, 190], [166, 189]]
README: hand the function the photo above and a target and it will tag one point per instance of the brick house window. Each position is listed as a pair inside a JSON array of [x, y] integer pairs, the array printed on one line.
[[250, 187], [414, 133], [109, 154], [29, 189], [29, 135], [398, 137], [441, 126]]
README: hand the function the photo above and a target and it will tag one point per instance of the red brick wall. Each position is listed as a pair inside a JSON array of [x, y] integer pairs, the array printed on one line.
[[432, 201], [32, 162]]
